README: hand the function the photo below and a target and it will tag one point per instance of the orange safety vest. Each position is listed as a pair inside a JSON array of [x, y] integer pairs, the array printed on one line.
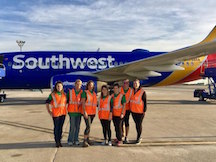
[[117, 105], [136, 102], [104, 108], [58, 104], [127, 96], [91, 103], [74, 105]]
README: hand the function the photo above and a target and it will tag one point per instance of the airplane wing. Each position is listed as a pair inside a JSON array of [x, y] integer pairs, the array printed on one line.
[[165, 62]]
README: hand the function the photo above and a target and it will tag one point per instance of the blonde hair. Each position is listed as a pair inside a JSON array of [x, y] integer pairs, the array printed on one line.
[[78, 80]]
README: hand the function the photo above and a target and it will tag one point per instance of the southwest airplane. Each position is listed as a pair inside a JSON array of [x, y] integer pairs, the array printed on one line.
[[41, 69]]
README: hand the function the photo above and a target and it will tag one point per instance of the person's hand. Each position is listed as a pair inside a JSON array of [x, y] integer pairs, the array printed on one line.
[[110, 116], [122, 116], [85, 115], [50, 113]]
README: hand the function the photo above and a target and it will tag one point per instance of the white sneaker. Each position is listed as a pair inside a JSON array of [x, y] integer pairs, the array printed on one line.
[[110, 143], [77, 143], [70, 143], [104, 142]]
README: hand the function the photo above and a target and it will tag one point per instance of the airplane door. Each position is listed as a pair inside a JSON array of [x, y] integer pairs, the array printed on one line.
[[2, 67]]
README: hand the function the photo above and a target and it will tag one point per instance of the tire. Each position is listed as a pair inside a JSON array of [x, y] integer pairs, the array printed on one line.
[[2, 99], [201, 98]]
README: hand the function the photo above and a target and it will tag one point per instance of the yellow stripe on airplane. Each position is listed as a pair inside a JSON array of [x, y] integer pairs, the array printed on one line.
[[190, 66]]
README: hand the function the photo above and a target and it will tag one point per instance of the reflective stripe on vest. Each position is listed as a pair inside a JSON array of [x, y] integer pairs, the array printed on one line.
[[71, 94], [119, 106], [130, 94], [105, 108], [56, 105], [139, 97], [74, 101], [88, 102]]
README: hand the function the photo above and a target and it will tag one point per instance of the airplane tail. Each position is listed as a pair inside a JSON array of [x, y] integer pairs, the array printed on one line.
[[210, 37]]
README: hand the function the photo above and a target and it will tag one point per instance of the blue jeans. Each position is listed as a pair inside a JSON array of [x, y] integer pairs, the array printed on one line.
[[74, 128]]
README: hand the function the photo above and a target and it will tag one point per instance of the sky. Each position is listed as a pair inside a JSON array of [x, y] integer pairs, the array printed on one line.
[[111, 25]]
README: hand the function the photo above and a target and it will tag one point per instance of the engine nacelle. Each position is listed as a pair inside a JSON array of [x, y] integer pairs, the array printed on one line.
[[69, 81]]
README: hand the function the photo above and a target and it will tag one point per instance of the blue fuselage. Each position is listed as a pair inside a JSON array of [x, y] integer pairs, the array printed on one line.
[[34, 70]]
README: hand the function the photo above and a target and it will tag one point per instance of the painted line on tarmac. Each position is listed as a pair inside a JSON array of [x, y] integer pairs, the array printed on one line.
[[170, 143]]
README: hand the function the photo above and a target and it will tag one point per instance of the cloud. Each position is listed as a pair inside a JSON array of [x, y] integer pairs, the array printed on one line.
[[111, 25]]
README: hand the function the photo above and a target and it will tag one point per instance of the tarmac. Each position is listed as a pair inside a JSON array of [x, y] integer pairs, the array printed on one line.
[[176, 128]]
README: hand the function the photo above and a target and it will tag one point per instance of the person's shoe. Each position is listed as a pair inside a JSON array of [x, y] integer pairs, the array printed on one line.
[[138, 141], [118, 143], [116, 140], [104, 142], [60, 144], [126, 141], [57, 145], [90, 142], [110, 143], [70, 143], [77, 143], [85, 143]]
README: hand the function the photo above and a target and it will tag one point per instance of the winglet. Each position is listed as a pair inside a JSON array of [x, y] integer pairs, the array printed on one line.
[[211, 36]]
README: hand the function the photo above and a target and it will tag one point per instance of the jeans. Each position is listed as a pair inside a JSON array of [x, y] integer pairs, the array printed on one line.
[[58, 125], [74, 128]]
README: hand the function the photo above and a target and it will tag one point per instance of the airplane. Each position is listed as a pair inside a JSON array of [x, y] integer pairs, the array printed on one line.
[[41, 69]]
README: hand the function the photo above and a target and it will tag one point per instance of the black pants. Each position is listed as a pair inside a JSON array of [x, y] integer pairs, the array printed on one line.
[[58, 125], [138, 118], [106, 129], [126, 118], [88, 124], [118, 127]]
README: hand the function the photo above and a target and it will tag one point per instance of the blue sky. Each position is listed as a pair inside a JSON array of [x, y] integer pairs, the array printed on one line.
[[114, 25]]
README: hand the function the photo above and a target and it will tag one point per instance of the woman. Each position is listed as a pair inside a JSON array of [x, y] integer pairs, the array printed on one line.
[[105, 107], [119, 102], [138, 106], [89, 104], [74, 112], [58, 100]]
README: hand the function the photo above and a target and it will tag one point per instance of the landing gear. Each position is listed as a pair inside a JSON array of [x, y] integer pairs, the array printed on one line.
[[2, 97]]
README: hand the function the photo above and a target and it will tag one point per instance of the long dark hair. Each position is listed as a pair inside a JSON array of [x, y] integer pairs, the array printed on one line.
[[90, 81], [55, 87], [104, 86]]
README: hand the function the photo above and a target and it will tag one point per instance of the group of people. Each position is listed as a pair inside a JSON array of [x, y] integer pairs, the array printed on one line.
[[117, 107]]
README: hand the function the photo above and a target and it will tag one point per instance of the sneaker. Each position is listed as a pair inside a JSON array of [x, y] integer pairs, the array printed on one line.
[[70, 143], [126, 141], [57, 145], [90, 142], [116, 140], [138, 141], [85, 143], [60, 144], [77, 143], [110, 143], [104, 142], [118, 143]]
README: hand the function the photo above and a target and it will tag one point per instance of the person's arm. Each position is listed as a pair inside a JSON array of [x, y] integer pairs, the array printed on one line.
[[123, 103], [83, 100], [48, 101], [145, 102], [68, 97], [111, 109]]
